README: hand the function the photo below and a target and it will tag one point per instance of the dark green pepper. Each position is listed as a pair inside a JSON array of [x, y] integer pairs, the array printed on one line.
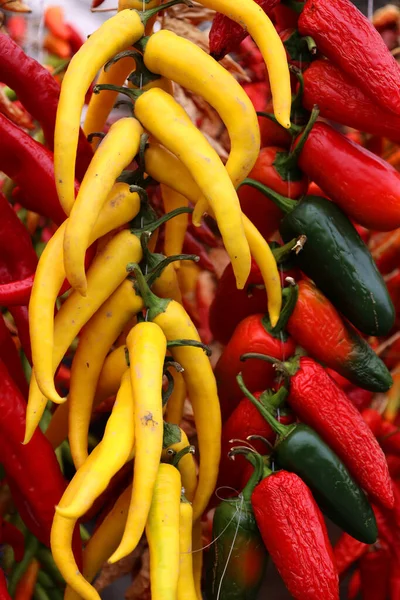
[[237, 558], [299, 449], [336, 259]]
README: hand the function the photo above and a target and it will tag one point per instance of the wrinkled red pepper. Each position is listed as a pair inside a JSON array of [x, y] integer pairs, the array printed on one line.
[[23, 74], [368, 188], [340, 100], [350, 41]]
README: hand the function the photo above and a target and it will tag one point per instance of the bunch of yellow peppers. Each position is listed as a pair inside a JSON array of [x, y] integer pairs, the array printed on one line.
[[169, 490]]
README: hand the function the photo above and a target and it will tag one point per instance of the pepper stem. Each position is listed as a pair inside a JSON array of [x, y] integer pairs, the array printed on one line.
[[257, 461], [166, 394], [282, 253], [286, 312], [270, 400], [285, 204], [148, 14], [192, 343], [179, 455], [132, 94], [292, 158], [288, 368], [293, 129], [153, 303], [157, 223], [280, 430], [156, 272]]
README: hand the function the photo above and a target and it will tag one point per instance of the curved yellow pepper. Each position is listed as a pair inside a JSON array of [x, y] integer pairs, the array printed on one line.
[[175, 229], [176, 402], [162, 532], [186, 587], [186, 465], [252, 18], [166, 168], [120, 208], [94, 344], [106, 273], [147, 347], [168, 122], [116, 151]]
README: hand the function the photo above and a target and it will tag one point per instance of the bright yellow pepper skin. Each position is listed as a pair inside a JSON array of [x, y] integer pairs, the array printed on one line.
[[100, 106], [108, 457], [166, 168], [186, 465], [175, 229], [186, 588], [104, 541], [121, 207], [197, 543], [162, 532], [252, 17], [168, 122], [181, 60], [116, 151], [167, 285], [94, 344], [114, 35], [106, 273], [147, 346], [176, 402]]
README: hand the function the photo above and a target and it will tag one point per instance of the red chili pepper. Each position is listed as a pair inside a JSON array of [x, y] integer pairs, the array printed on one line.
[[26, 585], [204, 296], [315, 190], [368, 189], [192, 246], [203, 234], [354, 587], [251, 335], [74, 38], [16, 28], [23, 74], [340, 100], [54, 21], [294, 533], [9, 534], [392, 356], [226, 35], [16, 293], [16, 247], [387, 253], [341, 381], [354, 45], [251, 58], [15, 111], [363, 232], [322, 405], [389, 437], [375, 569], [55, 45], [347, 551], [360, 398], [9, 354], [393, 462], [30, 165], [4, 595], [32, 470], [373, 419]]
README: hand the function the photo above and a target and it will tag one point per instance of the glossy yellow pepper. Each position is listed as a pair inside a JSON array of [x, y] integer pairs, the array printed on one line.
[[176, 402], [175, 229], [186, 587], [186, 465]]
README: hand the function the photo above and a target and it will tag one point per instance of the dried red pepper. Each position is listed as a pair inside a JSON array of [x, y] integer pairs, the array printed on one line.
[[354, 45]]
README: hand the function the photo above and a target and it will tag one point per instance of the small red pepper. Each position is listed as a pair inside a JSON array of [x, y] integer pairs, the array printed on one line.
[[347, 551], [294, 533], [226, 35], [16, 28], [374, 570], [360, 398], [322, 405], [354, 45], [16, 293], [368, 188], [340, 100], [387, 253], [74, 38], [253, 334], [354, 587], [9, 534]]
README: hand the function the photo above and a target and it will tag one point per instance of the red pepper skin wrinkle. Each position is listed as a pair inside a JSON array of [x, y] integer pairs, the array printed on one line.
[[39, 92], [226, 35], [321, 404], [355, 46], [249, 336], [294, 534], [341, 100], [365, 187]]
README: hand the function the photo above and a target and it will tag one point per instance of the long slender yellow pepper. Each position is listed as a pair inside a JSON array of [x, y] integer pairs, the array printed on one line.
[[252, 18], [116, 151], [166, 168], [147, 347], [169, 123], [176, 402], [106, 273], [116, 34], [186, 587], [121, 207], [108, 457], [94, 344], [175, 230], [200, 384], [186, 465], [103, 542], [197, 543], [162, 532]]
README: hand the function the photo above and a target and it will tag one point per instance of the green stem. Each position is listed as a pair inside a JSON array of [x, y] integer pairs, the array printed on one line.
[[132, 94], [95, 134], [257, 461], [288, 368], [47, 562], [158, 269], [166, 394], [151, 12], [280, 430], [294, 129], [11, 95], [61, 67], [292, 159], [155, 305], [158, 222], [39, 593], [287, 310], [270, 400], [282, 253], [177, 457], [142, 76], [285, 204], [172, 434], [170, 362], [193, 343], [124, 54]]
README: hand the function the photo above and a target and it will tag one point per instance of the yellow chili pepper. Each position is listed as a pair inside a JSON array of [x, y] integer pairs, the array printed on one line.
[[139, 5], [185, 464], [176, 402], [116, 151], [166, 168], [94, 344], [168, 122], [162, 532], [252, 18], [175, 230], [114, 35], [167, 285], [106, 273], [186, 588], [200, 384], [120, 208], [108, 457], [104, 541], [197, 557], [188, 65], [100, 106], [147, 346]]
